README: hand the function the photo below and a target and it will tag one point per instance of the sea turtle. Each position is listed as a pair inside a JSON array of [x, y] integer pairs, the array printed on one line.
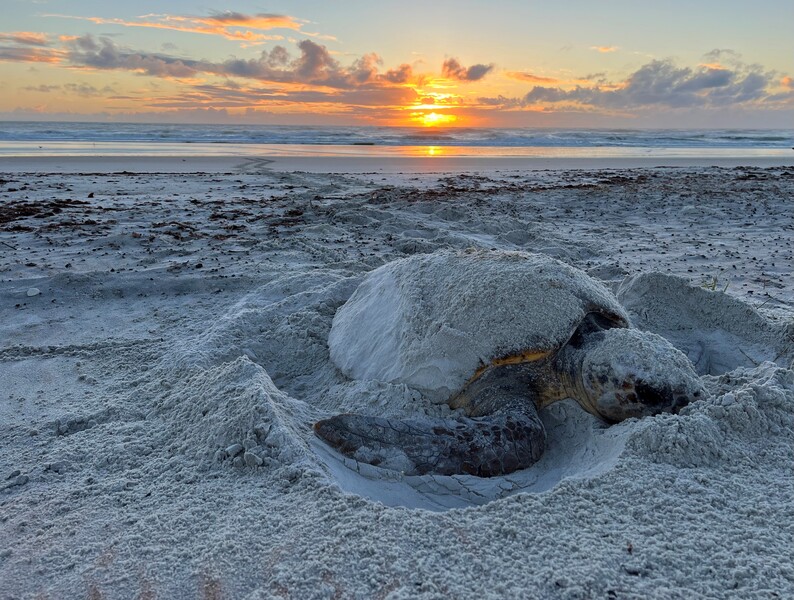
[[499, 335]]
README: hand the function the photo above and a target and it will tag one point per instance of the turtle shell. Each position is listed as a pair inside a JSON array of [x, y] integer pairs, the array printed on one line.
[[431, 321]]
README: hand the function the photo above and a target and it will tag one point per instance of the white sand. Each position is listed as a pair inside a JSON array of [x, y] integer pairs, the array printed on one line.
[[164, 352]]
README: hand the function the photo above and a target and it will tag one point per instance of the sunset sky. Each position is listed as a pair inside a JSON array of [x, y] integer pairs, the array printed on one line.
[[507, 63]]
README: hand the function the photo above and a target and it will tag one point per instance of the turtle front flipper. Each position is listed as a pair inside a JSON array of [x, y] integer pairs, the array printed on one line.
[[497, 444]]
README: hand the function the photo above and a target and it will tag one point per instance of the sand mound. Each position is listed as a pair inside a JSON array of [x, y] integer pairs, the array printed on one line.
[[716, 331], [746, 414], [283, 326], [232, 412]]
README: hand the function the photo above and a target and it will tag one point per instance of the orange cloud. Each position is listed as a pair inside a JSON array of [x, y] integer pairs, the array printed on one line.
[[787, 82], [25, 38], [234, 19], [715, 66], [230, 25], [34, 55], [604, 49], [530, 77], [174, 25]]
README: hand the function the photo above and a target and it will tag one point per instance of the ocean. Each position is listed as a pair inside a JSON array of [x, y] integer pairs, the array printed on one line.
[[61, 138], [394, 136]]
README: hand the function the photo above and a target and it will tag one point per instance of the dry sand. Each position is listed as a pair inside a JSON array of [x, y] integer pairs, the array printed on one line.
[[164, 353]]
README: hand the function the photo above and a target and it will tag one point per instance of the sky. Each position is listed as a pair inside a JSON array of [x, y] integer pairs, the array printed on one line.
[[462, 63]]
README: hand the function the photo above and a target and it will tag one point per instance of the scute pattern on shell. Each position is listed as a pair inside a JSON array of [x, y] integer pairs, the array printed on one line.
[[429, 321]]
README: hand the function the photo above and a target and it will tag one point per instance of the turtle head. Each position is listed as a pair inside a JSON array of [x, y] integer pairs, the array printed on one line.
[[630, 373]]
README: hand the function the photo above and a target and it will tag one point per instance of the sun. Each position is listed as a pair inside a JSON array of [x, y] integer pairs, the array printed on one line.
[[434, 119]]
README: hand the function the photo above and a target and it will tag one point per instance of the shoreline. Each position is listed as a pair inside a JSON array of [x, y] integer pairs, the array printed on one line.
[[362, 163]]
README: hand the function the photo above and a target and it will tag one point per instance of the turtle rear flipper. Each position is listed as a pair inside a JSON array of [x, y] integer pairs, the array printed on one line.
[[496, 444]]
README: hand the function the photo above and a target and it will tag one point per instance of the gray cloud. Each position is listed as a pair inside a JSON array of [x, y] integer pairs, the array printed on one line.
[[278, 57], [103, 53], [660, 83], [86, 90], [709, 78], [315, 65], [81, 89], [402, 74], [231, 17], [315, 61], [454, 70], [723, 54], [43, 88]]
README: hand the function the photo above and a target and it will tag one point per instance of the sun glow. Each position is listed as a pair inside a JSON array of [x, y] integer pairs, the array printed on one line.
[[434, 119]]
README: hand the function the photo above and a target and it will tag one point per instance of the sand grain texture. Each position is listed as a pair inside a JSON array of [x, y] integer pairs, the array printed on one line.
[[157, 393]]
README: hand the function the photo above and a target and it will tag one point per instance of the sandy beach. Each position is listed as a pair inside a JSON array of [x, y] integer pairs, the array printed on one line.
[[164, 316], [99, 157]]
